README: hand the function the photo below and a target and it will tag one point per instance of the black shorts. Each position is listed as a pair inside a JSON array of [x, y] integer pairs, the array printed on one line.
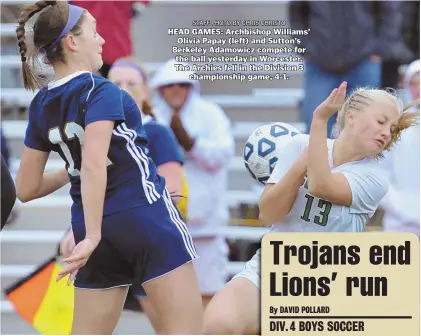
[[140, 244]]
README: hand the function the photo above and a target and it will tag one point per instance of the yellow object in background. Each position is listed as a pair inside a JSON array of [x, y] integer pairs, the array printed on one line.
[[44, 303], [182, 204]]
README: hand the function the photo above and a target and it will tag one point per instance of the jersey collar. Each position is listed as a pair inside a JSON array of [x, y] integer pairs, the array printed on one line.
[[64, 80]]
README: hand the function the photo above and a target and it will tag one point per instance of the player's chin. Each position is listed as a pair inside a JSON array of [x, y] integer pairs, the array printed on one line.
[[375, 151], [98, 64]]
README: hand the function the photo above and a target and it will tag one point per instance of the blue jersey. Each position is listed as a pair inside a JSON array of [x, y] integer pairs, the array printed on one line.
[[58, 116], [162, 144]]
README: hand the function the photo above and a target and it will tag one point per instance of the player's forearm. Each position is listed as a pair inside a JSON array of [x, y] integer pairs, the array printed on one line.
[[93, 184], [172, 173], [50, 183], [277, 201], [318, 169]]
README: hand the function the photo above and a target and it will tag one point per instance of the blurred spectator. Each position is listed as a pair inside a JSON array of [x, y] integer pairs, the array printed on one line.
[[411, 27], [403, 50], [204, 133], [114, 25], [402, 202], [5, 152], [347, 41]]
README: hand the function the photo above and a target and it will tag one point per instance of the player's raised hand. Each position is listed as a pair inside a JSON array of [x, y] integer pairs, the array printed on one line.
[[77, 259], [332, 104]]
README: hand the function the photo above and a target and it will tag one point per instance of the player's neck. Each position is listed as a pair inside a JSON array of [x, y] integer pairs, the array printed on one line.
[[63, 70], [344, 151]]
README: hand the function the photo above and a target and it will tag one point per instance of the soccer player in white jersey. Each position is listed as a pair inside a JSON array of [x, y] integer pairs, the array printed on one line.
[[318, 185]]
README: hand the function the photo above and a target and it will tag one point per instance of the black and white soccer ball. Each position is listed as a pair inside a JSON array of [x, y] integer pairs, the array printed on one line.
[[261, 151]]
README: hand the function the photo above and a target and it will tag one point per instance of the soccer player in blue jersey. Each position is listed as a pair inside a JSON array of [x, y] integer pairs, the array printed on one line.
[[130, 75], [124, 223]]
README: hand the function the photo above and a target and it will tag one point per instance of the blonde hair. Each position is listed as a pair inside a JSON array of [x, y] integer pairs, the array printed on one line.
[[363, 97], [146, 106]]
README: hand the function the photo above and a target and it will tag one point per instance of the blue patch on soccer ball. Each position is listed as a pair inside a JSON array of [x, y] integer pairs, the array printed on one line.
[[248, 150], [263, 179], [293, 134], [249, 170], [278, 130], [270, 147]]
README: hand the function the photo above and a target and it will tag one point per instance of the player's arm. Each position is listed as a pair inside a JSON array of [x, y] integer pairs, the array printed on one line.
[[169, 160], [93, 174], [214, 152], [322, 183], [104, 109], [172, 171], [281, 189], [31, 181]]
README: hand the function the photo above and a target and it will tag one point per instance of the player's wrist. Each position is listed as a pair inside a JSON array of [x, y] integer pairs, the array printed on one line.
[[319, 120], [94, 237]]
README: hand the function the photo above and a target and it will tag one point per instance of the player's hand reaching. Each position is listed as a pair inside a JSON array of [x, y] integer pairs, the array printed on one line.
[[67, 244], [78, 258], [332, 104]]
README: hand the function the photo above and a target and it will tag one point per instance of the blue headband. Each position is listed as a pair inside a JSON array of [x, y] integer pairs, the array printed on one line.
[[75, 13], [126, 63]]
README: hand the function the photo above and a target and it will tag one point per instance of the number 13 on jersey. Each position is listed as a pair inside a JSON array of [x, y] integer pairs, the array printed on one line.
[[71, 132], [324, 211]]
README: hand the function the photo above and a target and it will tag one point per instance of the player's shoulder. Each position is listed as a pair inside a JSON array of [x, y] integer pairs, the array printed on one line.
[[155, 129], [94, 83], [153, 126], [36, 104], [371, 169]]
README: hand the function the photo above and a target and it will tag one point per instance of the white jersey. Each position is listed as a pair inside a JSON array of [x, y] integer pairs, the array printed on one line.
[[367, 179]]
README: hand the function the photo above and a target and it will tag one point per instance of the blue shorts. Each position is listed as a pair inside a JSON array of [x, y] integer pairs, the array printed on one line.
[[137, 246]]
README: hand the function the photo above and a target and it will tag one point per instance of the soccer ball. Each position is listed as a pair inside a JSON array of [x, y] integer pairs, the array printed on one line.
[[262, 149]]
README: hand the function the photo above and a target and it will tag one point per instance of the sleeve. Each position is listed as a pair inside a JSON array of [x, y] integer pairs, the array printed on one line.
[[368, 188], [167, 145], [105, 102], [34, 137], [214, 152], [287, 156], [387, 164]]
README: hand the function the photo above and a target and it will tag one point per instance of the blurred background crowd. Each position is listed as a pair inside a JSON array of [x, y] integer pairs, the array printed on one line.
[[366, 43]]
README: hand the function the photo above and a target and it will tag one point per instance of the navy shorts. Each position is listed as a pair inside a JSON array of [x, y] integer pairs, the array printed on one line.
[[137, 246]]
